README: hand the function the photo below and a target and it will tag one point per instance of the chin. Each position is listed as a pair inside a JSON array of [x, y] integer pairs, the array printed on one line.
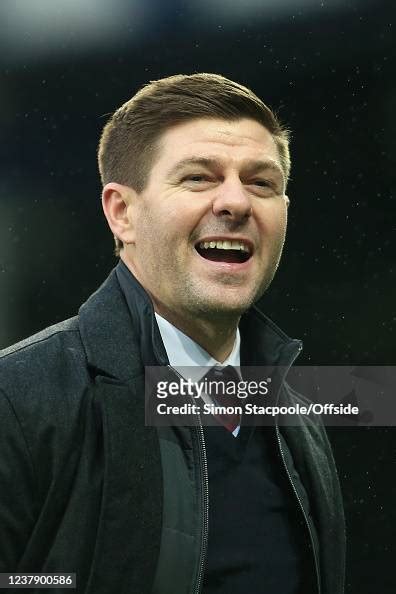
[[226, 307]]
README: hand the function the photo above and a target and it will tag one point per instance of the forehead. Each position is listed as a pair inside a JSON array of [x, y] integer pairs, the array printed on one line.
[[229, 141]]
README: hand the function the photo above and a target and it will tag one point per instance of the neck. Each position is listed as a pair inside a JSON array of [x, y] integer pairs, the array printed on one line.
[[216, 334], [216, 337]]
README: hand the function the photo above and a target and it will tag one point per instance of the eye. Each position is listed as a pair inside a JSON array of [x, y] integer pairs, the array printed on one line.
[[198, 181], [264, 187], [196, 178], [262, 183]]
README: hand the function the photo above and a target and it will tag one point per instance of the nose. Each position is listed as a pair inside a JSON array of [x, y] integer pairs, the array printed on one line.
[[232, 201]]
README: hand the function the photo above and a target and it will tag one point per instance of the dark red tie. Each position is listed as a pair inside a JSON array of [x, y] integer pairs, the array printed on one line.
[[228, 376]]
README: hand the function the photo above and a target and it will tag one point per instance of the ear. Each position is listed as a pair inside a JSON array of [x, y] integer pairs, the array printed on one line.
[[117, 202], [287, 201]]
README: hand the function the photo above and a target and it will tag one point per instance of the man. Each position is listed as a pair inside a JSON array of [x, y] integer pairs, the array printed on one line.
[[194, 170]]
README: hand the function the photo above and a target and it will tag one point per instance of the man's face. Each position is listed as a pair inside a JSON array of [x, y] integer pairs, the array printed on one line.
[[216, 185]]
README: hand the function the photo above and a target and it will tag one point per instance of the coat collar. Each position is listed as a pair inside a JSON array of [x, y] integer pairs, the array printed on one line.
[[121, 336], [109, 333], [264, 343]]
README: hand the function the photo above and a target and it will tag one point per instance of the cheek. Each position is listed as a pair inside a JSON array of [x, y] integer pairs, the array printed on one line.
[[273, 222], [149, 224], [183, 221], [159, 232], [282, 222]]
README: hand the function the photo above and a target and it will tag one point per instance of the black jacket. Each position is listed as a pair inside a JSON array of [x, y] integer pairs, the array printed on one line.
[[86, 487]]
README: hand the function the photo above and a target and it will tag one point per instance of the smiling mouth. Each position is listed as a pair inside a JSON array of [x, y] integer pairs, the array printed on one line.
[[234, 252]]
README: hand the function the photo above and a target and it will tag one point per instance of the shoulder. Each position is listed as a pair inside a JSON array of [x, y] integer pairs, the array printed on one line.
[[44, 381], [52, 340], [44, 363], [41, 339]]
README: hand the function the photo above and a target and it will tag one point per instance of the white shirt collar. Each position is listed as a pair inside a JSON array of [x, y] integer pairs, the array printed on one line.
[[183, 351]]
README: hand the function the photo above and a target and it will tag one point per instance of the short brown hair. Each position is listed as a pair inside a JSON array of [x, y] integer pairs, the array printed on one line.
[[129, 142]]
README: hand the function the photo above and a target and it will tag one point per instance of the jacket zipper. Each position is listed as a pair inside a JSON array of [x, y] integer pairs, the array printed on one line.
[[205, 505], [204, 494], [293, 358], [302, 508]]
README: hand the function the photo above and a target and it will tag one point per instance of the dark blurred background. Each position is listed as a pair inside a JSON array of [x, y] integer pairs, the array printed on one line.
[[328, 68]]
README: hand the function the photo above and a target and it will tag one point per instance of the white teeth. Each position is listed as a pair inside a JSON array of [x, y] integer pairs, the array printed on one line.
[[224, 245]]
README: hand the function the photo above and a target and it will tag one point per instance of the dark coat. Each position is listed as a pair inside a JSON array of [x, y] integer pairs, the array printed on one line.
[[81, 476]]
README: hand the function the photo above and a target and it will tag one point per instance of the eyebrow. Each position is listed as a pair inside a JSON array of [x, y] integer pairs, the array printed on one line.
[[251, 167]]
